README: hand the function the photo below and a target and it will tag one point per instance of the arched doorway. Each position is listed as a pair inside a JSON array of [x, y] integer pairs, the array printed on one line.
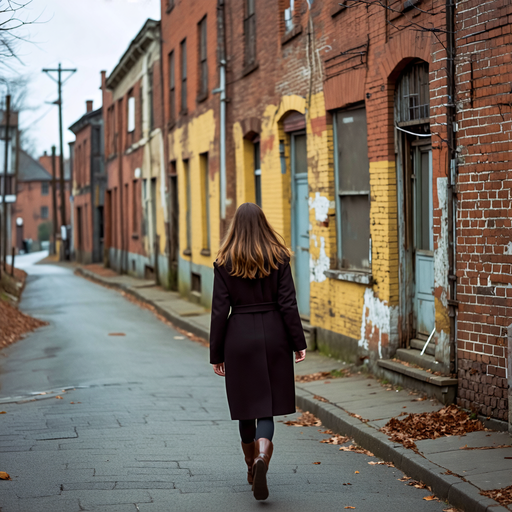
[[415, 202]]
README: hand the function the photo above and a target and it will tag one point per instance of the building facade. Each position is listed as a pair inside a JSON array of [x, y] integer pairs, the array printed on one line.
[[201, 185], [89, 183], [484, 212], [135, 203], [32, 221]]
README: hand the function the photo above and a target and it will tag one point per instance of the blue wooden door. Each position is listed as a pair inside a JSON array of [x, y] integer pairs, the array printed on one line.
[[424, 306], [300, 220]]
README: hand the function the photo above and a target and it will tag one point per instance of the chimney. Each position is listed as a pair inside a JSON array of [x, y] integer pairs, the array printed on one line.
[[88, 104]]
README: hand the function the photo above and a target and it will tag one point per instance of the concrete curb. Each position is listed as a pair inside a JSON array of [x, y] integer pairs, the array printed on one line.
[[449, 488], [175, 319]]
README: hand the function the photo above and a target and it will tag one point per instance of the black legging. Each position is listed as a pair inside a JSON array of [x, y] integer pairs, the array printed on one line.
[[249, 432]]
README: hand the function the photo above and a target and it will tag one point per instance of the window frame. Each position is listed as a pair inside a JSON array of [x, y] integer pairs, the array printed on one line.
[[171, 59], [202, 59], [150, 98], [130, 113], [45, 188], [250, 60], [338, 204], [46, 210], [183, 76]]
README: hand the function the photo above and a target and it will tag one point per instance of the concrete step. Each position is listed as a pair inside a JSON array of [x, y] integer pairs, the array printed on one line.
[[412, 356], [419, 344], [442, 388], [309, 334]]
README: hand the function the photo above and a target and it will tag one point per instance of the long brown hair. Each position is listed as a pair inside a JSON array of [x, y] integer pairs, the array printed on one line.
[[251, 246]]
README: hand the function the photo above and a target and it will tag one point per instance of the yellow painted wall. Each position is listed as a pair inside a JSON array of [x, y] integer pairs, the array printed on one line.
[[189, 142], [336, 305]]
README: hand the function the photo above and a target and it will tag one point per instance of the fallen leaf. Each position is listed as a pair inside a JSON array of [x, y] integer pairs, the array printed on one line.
[[502, 496], [305, 420], [336, 439], [356, 449], [4, 476], [350, 507], [317, 463], [71, 402], [320, 398], [59, 397], [356, 472], [430, 498], [3, 412]]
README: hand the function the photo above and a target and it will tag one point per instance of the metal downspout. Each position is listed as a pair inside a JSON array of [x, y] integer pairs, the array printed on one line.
[[452, 181]]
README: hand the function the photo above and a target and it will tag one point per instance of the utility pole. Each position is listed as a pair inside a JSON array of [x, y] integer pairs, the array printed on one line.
[[54, 203], [59, 81], [4, 191]]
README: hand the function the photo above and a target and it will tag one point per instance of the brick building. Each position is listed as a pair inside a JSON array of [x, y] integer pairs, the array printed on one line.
[[196, 173], [135, 202], [32, 219], [89, 182], [484, 230]]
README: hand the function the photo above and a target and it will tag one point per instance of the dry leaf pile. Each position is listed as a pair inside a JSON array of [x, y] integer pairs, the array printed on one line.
[[356, 449], [449, 421], [306, 419], [14, 324], [502, 496], [311, 377]]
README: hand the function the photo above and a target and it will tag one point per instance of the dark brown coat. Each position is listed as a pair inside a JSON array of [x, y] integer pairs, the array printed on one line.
[[257, 348]]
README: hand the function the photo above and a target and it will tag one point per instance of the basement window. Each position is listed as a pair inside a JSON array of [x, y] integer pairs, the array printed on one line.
[[196, 282]]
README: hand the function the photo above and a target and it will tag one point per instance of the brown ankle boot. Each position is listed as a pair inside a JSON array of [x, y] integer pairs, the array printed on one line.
[[248, 449], [263, 449]]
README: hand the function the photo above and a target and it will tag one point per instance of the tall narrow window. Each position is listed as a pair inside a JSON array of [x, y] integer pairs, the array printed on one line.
[[141, 109], [135, 224], [250, 34], [203, 64], [183, 57], [288, 15], [257, 172], [131, 112], [45, 188], [150, 98], [352, 190], [188, 213], [172, 88], [205, 200], [44, 212]]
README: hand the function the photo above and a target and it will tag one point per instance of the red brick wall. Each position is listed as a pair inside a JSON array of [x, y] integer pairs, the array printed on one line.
[[121, 164], [484, 235]]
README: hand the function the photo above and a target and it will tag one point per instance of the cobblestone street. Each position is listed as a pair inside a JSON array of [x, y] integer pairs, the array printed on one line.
[[142, 422]]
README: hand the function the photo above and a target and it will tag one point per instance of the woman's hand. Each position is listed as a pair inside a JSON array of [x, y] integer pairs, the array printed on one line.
[[219, 369], [300, 356]]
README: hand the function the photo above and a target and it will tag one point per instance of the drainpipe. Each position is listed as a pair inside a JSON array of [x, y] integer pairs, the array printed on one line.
[[222, 90], [452, 181]]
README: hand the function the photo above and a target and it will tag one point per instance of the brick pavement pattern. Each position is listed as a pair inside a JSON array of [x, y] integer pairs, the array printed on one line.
[[143, 422]]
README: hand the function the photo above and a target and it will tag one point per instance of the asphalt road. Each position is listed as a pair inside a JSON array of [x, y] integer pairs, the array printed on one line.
[[143, 423]]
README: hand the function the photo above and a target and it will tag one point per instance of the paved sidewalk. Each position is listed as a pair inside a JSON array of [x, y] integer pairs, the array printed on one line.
[[456, 475]]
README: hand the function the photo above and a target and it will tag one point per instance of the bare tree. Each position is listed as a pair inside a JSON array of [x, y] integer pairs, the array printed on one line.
[[11, 21]]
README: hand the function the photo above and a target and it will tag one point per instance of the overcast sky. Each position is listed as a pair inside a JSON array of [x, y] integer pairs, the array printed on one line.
[[89, 35]]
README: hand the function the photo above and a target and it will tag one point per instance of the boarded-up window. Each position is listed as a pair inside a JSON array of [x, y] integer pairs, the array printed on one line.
[[250, 33], [352, 190], [203, 64]]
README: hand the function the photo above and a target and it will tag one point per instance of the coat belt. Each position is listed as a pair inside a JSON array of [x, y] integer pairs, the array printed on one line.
[[255, 308]]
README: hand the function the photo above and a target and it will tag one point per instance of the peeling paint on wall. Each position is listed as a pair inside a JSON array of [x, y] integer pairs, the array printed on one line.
[[318, 266], [441, 278], [378, 320], [321, 206]]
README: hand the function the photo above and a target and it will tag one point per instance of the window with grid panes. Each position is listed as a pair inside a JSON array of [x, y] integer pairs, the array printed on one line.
[[352, 190], [250, 33], [183, 62], [172, 88], [203, 63]]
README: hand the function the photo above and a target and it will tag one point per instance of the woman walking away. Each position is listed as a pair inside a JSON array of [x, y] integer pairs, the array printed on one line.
[[252, 346]]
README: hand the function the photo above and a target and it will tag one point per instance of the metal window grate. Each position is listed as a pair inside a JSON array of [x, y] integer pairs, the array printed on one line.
[[412, 95]]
